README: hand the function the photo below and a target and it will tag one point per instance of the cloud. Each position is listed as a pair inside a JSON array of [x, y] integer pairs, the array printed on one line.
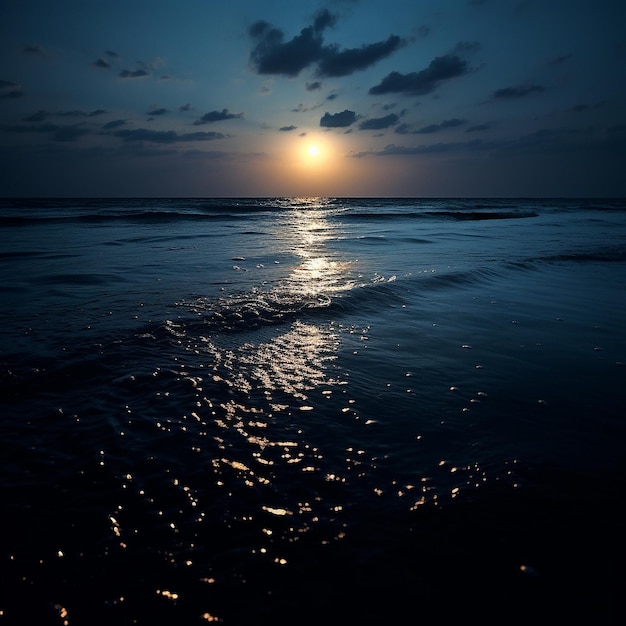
[[313, 86], [436, 148], [338, 120], [185, 107], [378, 123], [40, 116], [425, 81], [113, 124], [337, 62], [435, 128], [102, 63], [301, 108], [217, 116], [32, 49], [160, 111], [59, 133], [140, 73], [77, 113], [9, 89], [478, 128], [165, 136], [560, 59], [288, 128], [510, 93], [271, 54]]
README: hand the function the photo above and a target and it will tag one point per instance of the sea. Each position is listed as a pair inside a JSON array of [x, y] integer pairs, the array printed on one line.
[[253, 411]]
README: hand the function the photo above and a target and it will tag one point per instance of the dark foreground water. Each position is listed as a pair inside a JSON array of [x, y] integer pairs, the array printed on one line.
[[312, 411]]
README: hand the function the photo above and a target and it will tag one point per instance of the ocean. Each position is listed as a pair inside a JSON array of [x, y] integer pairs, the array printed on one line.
[[312, 411]]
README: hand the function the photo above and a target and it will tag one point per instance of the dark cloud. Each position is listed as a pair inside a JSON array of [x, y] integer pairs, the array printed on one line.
[[477, 128], [338, 120], [337, 62], [271, 54], [332, 96], [40, 116], [435, 148], [378, 123], [112, 54], [102, 63], [435, 128], [287, 128], [113, 124], [582, 108], [301, 108], [140, 73], [217, 116], [78, 113], [313, 86], [423, 82], [560, 59], [509, 93], [10, 90], [164, 136], [32, 49], [186, 107], [59, 133], [157, 112]]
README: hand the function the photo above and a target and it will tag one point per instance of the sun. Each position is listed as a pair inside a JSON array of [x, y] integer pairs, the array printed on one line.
[[313, 151]]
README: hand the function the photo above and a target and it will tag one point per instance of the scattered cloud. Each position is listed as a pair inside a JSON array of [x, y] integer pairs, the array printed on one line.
[[165, 136], [139, 73], [32, 49], [510, 93], [217, 116], [9, 89], [58, 132], [378, 123], [160, 111], [288, 128], [560, 59], [336, 62], [102, 63], [478, 128], [425, 81], [113, 124], [185, 107], [301, 108], [271, 54], [338, 120], [582, 108], [40, 116], [435, 128], [313, 86], [394, 150]]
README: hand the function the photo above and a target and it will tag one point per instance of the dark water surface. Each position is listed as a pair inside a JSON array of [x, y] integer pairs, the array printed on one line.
[[312, 411]]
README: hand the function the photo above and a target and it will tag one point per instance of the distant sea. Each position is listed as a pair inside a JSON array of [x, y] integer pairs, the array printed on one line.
[[312, 411]]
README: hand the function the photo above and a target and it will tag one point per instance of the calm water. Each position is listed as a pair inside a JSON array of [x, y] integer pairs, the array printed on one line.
[[290, 411]]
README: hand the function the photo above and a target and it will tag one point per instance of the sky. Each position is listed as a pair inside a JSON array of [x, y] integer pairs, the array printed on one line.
[[420, 98]]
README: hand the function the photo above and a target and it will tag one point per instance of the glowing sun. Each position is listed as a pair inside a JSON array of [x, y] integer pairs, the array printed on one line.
[[313, 151]]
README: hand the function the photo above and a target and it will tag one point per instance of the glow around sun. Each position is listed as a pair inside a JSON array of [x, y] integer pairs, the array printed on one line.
[[313, 151]]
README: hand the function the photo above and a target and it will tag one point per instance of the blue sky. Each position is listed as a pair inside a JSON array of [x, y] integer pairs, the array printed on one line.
[[344, 97]]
